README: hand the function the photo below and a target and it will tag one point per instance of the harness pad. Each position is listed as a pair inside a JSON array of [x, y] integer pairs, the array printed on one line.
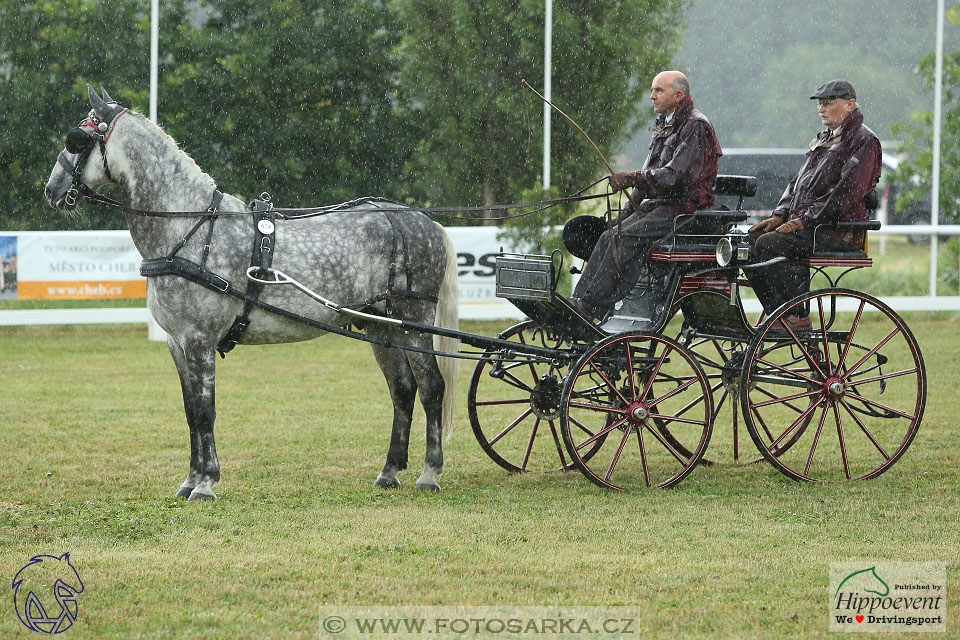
[[264, 241]]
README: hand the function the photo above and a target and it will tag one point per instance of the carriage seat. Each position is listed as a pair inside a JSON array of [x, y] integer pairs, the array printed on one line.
[[849, 259], [699, 243]]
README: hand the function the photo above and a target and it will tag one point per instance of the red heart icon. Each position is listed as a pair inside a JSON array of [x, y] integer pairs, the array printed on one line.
[[859, 618]]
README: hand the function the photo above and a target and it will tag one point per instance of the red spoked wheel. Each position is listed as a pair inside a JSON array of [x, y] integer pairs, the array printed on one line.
[[514, 407], [839, 401], [637, 412]]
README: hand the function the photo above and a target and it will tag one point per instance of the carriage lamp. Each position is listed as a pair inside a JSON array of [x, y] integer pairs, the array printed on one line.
[[727, 252]]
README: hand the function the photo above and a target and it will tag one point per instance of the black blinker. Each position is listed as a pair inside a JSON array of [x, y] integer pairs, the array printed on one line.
[[79, 141]]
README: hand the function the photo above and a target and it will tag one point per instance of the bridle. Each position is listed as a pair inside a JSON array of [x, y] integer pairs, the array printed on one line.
[[81, 143]]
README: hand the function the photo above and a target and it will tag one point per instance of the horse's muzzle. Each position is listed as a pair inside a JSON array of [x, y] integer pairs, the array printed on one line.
[[66, 202]]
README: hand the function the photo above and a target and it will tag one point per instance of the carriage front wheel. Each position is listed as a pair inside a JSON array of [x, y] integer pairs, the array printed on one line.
[[636, 412], [514, 405], [839, 401]]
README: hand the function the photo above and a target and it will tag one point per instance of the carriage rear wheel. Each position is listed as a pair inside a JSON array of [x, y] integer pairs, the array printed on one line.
[[839, 401], [620, 397], [514, 407]]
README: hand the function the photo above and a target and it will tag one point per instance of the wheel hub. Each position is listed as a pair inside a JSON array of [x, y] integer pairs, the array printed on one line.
[[834, 387], [638, 412], [545, 399]]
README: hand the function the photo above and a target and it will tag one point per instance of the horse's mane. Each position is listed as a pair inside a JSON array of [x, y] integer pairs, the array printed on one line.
[[186, 166]]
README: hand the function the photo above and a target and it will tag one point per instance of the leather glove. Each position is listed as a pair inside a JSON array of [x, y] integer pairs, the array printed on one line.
[[769, 224], [789, 227], [623, 180]]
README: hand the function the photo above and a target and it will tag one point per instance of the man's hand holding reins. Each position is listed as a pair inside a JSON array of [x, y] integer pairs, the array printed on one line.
[[789, 227], [623, 180]]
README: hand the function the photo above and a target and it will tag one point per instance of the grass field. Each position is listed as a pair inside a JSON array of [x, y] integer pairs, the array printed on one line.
[[95, 444]]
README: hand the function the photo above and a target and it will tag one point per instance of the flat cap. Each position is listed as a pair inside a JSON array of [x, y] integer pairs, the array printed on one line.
[[835, 89]]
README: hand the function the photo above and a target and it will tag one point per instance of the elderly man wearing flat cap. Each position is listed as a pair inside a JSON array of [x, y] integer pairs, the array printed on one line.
[[841, 168]]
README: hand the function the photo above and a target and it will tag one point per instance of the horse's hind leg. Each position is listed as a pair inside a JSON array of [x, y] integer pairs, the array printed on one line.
[[430, 385], [403, 392], [196, 368]]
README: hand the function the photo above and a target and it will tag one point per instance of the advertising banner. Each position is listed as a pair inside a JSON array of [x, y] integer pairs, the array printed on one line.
[[78, 266], [83, 265], [477, 249]]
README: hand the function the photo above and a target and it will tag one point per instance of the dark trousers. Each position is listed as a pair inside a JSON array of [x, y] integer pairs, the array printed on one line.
[[777, 283], [618, 260]]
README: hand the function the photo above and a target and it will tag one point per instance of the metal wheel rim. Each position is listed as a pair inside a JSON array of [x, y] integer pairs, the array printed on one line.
[[636, 440], [846, 424]]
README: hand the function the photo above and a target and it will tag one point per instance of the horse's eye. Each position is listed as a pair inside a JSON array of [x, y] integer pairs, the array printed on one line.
[[79, 141]]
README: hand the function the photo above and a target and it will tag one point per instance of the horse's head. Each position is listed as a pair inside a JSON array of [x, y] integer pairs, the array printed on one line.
[[73, 173]]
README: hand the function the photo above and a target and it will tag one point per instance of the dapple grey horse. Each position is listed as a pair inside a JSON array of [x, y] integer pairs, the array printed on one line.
[[346, 256]]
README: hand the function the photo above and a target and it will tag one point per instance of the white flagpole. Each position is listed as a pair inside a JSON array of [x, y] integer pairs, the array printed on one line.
[[935, 195], [154, 55], [154, 332], [547, 88]]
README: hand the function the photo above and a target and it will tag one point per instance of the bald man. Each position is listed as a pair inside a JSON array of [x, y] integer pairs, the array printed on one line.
[[676, 178]]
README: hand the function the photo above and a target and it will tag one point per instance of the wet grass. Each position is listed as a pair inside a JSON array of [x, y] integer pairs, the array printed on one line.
[[94, 446]]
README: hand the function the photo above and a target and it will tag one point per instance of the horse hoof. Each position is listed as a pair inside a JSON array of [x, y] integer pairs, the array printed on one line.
[[198, 494], [425, 486], [386, 483], [183, 492]]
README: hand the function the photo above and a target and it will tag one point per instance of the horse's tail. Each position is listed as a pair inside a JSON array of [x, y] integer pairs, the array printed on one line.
[[446, 317]]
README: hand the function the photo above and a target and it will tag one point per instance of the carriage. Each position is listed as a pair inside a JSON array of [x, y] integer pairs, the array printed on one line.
[[630, 402]]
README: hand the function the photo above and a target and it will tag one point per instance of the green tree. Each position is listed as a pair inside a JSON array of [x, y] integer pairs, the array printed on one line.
[[481, 133], [296, 97], [48, 50], [914, 176]]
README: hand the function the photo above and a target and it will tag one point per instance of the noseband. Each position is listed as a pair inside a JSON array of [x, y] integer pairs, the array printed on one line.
[[81, 143]]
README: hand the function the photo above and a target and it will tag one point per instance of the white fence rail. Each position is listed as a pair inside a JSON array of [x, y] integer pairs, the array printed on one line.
[[475, 248]]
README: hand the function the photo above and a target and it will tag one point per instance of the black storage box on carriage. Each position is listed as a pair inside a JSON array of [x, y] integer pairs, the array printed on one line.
[[529, 283], [525, 277]]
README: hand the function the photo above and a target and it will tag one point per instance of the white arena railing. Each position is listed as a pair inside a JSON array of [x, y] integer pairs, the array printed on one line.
[[140, 315]]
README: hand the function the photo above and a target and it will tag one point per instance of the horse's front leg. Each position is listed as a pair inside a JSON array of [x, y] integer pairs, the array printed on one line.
[[196, 366], [403, 392]]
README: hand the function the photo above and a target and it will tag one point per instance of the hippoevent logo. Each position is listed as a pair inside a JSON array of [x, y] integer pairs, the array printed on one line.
[[45, 593], [893, 596]]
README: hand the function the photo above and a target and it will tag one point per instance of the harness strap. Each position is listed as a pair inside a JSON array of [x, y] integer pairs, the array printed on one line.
[[191, 271], [214, 205], [263, 244], [392, 290]]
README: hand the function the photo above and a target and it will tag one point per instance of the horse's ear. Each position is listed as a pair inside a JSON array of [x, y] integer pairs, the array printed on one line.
[[99, 104], [106, 96]]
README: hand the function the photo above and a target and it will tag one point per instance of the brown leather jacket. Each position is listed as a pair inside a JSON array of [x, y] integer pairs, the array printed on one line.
[[678, 175], [837, 173]]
